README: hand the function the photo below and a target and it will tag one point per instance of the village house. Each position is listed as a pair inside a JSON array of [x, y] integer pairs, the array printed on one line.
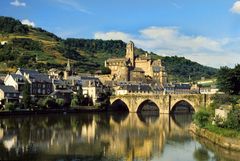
[[8, 94], [92, 87], [124, 88], [178, 88], [40, 84], [15, 80], [61, 90], [55, 73]]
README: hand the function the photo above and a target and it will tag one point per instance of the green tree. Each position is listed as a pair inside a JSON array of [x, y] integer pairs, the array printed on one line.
[[79, 95], [74, 102], [10, 106], [26, 96], [228, 80]]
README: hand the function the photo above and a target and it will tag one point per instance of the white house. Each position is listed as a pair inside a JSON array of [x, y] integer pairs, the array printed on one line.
[[8, 94], [92, 87], [15, 80]]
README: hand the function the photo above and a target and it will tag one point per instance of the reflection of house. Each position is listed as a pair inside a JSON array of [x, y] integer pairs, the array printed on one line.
[[10, 142], [136, 68], [40, 84], [15, 80], [8, 94]]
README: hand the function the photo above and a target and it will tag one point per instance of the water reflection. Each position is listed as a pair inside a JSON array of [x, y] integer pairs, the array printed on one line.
[[107, 137]]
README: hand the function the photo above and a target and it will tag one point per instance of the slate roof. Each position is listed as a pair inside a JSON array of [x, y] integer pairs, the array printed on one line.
[[18, 78], [182, 86], [8, 89], [136, 87], [59, 82], [28, 71], [40, 78]]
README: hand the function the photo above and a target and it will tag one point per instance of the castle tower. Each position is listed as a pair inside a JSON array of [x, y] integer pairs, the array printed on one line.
[[130, 53], [68, 70]]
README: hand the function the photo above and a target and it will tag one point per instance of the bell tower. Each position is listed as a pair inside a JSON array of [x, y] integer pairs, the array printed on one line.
[[68, 70], [130, 53]]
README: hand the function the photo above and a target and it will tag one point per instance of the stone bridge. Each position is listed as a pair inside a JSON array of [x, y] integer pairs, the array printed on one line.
[[165, 103]]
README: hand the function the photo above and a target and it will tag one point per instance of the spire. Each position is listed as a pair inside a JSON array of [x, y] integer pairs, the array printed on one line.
[[68, 67]]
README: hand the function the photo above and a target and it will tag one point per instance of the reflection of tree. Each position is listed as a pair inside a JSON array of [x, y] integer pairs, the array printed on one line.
[[201, 154]]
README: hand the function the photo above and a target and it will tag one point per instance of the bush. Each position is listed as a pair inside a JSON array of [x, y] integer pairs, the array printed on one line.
[[49, 102], [74, 102], [201, 118], [10, 106], [233, 120], [60, 102]]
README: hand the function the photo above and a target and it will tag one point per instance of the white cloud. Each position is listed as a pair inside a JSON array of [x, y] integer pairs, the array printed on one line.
[[236, 7], [75, 5], [28, 22], [170, 41], [17, 3]]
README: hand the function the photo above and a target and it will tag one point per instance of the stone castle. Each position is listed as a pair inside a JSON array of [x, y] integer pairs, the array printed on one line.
[[137, 68]]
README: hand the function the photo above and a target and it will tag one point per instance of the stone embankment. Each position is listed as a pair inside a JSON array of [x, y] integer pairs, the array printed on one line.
[[225, 142]]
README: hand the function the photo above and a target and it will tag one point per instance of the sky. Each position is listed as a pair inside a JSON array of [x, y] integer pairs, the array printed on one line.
[[205, 31]]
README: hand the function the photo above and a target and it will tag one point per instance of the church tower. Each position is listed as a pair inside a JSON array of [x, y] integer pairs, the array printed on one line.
[[68, 70], [130, 53]]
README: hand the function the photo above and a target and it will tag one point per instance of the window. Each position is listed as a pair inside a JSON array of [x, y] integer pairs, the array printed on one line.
[[43, 85], [39, 85], [39, 91]]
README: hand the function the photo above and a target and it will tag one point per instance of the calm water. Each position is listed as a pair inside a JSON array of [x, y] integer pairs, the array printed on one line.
[[104, 137]]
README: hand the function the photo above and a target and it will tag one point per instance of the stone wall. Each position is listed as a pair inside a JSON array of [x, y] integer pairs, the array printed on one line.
[[225, 142]]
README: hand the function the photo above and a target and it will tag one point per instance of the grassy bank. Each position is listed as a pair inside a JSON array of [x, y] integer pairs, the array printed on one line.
[[223, 131]]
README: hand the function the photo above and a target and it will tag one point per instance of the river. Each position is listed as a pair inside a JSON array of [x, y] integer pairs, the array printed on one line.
[[105, 137]]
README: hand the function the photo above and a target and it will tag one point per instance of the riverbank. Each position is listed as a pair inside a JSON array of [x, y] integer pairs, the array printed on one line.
[[51, 111], [225, 142]]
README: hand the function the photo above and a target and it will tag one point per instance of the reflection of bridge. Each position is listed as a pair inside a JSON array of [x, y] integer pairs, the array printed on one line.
[[165, 103]]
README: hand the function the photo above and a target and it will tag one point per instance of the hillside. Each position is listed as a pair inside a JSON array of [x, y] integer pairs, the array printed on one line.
[[36, 48]]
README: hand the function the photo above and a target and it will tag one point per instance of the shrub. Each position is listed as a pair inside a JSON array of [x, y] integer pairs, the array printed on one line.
[[201, 118], [74, 102], [49, 102], [60, 102], [10, 106], [233, 120]]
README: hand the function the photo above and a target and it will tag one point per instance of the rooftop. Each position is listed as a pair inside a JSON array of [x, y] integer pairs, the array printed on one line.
[[8, 89]]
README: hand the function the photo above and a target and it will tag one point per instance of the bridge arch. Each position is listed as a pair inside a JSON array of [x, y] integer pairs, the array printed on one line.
[[119, 105], [151, 106], [182, 106]]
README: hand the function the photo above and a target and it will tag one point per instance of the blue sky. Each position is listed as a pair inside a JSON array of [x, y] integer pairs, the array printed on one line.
[[205, 31]]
